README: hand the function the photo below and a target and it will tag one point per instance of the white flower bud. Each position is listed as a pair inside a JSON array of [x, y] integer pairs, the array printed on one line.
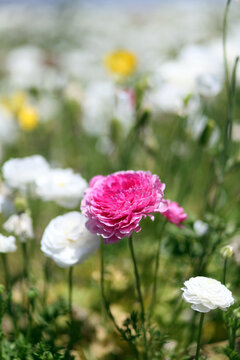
[[227, 252]]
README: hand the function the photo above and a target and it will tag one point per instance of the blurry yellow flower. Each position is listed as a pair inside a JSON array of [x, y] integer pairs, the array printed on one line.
[[15, 102], [28, 118], [121, 62]]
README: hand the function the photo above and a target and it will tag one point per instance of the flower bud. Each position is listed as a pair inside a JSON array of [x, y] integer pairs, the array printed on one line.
[[32, 293], [227, 252], [20, 204]]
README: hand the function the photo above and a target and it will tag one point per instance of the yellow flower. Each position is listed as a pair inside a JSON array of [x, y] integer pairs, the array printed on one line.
[[121, 62], [28, 118], [14, 103]]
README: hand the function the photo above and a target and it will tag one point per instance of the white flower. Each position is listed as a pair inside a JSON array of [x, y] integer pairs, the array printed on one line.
[[67, 240], [208, 84], [98, 105], [8, 127], [20, 225], [7, 244], [21, 172], [200, 227], [206, 294], [62, 186]]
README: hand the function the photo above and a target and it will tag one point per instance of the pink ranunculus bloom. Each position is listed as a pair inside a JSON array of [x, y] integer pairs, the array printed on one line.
[[115, 204], [175, 213]]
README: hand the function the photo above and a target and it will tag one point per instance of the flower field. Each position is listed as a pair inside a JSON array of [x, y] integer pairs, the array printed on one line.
[[119, 190]]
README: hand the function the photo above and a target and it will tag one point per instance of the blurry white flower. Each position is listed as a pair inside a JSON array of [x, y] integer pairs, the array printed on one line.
[[62, 186], [67, 241], [98, 107], [196, 68], [206, 294], [200, 227], [20, 225], [47, 107], [7, 244], [21, 172], [124, 107], [167, 97], [25, 66], [8, 127], [208, 84]]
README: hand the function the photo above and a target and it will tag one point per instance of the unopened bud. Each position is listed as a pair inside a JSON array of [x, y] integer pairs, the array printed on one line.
[[32, 294], [20, 204], [227, 252]]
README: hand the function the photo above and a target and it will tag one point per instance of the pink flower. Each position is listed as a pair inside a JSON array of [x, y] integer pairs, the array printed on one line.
[[175, 213], [115, 204]]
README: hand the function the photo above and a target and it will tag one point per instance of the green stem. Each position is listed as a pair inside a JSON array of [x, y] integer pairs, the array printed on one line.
[[106, 303], [71, 329], [25, 261], [70, 290], [46, 280], [230, 84], [104, 299], [29, 330], [225, 270], [199, 336], [140, 298], [6, 272], [157, 260], [225, 19], [233, 337], [8, 287]]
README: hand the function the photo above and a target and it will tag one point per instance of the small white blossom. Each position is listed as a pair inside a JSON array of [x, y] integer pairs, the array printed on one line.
[[206, 294], [209, 85], [62, 186], [200, 227], [67, 241], [7, 244], [20, 225], [22, 172]]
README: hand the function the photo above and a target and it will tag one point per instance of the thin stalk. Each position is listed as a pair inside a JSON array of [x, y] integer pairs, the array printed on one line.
[[46, 280], [225, 270], [230, 84], [157, 260], [8, 287], [29, 330], [105, 301], [199, 336], [6, 272], [225, 20], [140, 298], [25, 261], [233, 337], [70, 290]]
